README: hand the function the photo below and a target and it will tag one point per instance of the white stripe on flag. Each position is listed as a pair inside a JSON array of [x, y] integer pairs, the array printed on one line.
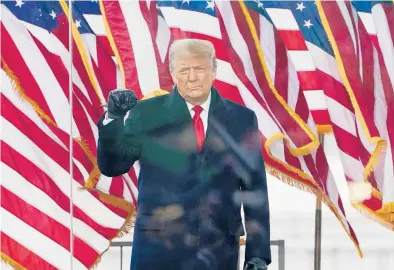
[[267, 42], [315, 99], [163, 38], [302, 60], [328, 64], [293, 85], [95, 22], [283, 19], [341, 116], [186, 20]]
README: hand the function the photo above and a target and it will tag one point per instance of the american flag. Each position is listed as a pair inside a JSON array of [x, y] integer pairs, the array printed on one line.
[[303, 33], [363, 48], [42, 201]]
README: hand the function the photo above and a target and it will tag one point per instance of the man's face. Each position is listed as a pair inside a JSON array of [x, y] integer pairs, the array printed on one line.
[[193, 76]]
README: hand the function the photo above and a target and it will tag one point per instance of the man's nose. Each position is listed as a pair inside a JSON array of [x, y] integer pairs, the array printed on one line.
[[192, 75]]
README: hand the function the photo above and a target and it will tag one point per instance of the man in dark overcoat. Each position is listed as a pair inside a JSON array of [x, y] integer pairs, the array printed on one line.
[[200, 159]]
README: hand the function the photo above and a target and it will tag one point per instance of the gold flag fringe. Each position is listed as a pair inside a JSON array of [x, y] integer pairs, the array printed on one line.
[[376, 158], [92, 180], [381, 219], [388, 209], [318, 193], [290, 180], [324, 129], [387, 216], [7, 260], [21, 92], [114, 201], [300, 173], [125, 229]]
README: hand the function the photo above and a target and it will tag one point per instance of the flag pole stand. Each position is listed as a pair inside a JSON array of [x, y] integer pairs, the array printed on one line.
[[318, 224]]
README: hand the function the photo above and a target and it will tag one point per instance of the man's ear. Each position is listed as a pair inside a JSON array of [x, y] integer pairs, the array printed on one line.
[[214, 76]]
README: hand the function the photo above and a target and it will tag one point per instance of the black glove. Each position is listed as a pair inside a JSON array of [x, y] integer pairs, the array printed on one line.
[[120, 101], [256, 264]]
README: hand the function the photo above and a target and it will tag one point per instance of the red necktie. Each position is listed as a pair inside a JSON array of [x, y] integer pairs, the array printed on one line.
[[198, 126]]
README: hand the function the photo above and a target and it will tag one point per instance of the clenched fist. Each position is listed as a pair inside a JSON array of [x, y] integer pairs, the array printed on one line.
[[120, 101]]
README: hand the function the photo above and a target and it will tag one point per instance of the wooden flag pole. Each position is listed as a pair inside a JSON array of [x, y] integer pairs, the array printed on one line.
[[318, 224]]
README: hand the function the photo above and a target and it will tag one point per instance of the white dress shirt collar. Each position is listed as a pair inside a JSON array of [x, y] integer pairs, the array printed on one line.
[[205, 105]]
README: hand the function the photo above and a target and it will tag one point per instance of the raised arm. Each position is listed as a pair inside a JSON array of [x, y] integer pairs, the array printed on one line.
[[119, 141]]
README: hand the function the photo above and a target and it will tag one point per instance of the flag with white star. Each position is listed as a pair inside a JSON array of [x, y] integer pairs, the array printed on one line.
[[320, 37]]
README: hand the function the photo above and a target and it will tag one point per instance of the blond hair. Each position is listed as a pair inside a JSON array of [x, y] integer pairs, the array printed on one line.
[[196, 47]]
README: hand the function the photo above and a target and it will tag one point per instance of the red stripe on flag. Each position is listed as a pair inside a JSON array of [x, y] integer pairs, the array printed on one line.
[[348, 143], [309, 80], [117, 186], [373, 203], [229, 91], [335, 90], [322, 115], [293, 40], [367, 69], [302, 107], [105, 69], [22, 255], [281, 68], [389, 11], [291, 160], [106, 45]]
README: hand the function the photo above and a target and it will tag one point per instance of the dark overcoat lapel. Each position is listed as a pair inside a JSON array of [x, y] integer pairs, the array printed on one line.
[[179, 117]]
